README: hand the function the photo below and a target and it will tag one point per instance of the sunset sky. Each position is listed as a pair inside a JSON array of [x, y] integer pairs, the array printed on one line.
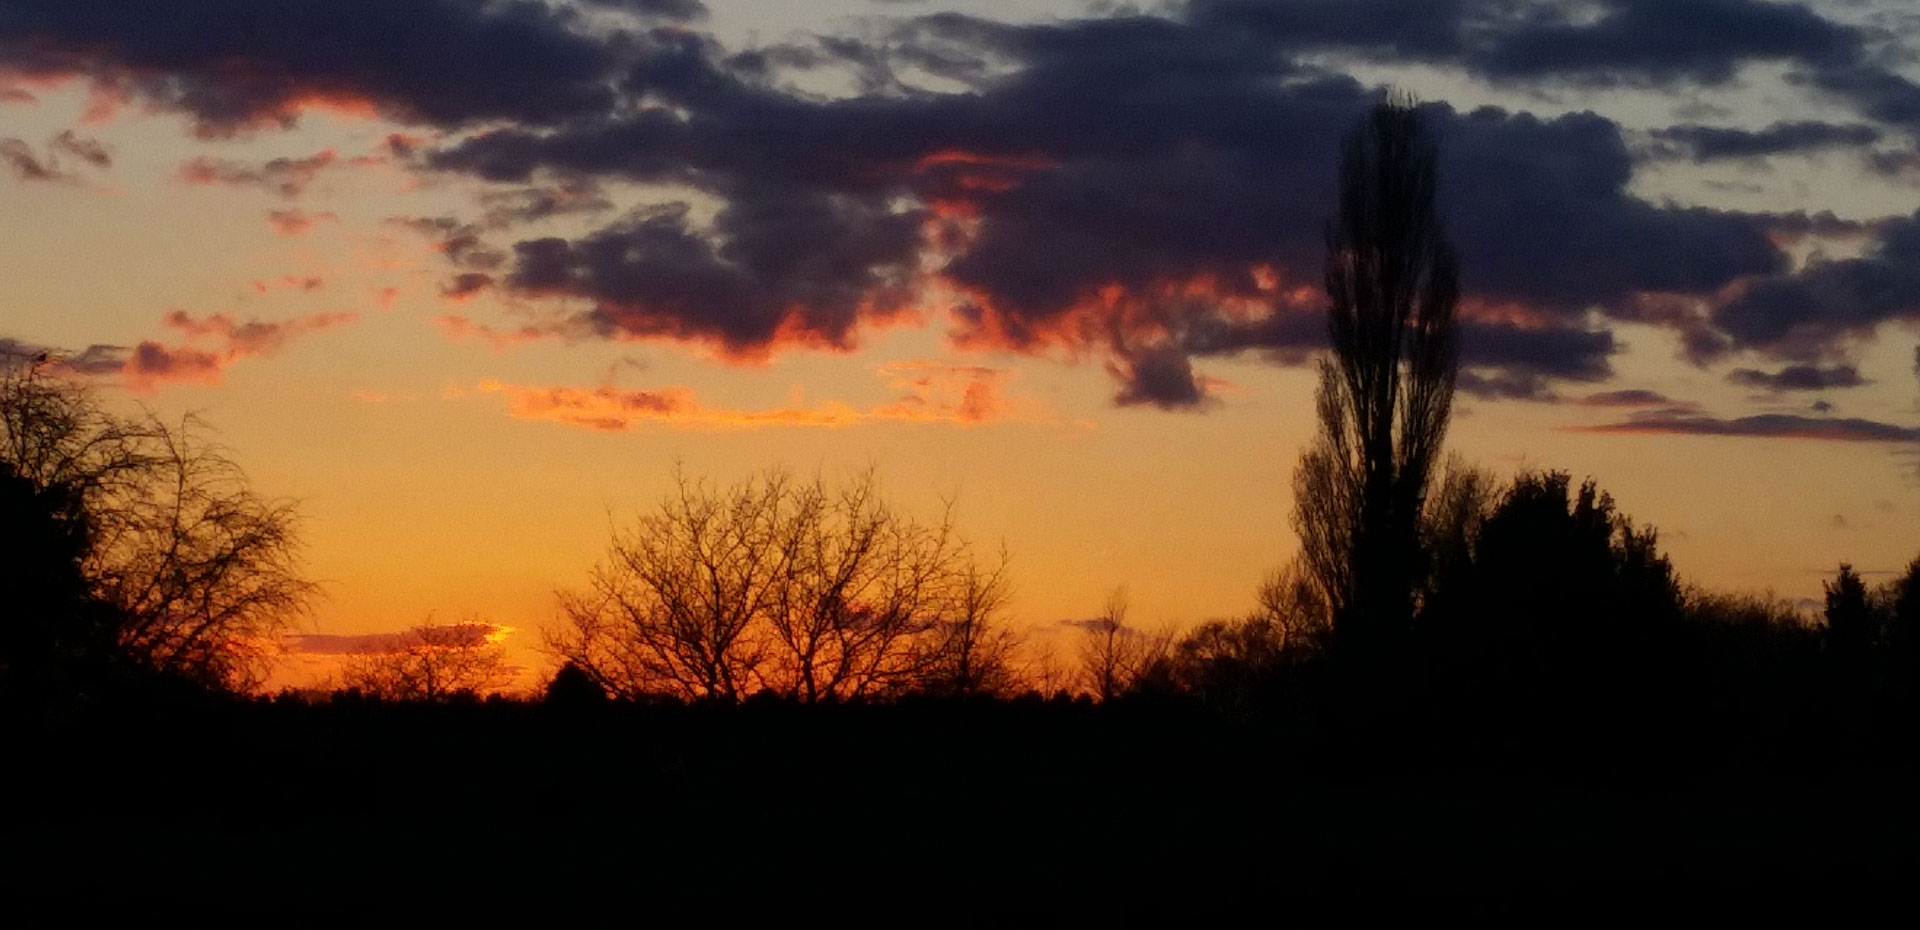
[[466, 277]]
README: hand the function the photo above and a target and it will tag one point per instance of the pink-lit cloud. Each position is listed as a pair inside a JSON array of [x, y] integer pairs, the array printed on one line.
[[297, 222], [212, 343]]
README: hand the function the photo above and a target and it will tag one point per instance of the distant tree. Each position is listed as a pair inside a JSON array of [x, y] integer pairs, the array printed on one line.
[[1556, 582], [773, 585], [1386, 391], [1903, 622], [432, 663], [1114, 657], [188, 574], [1850, 621], [1450, 530], [1295, 610], [974, 654], [573, 686], [1047, 673]]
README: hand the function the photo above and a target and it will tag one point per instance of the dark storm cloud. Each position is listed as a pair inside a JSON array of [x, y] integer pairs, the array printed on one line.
[[1710, 143], [1799, 378], [1806, 314], [1225, 170], [1160, 376], [235, 64], [1660, 41], [1555, 352], [1542, 216], [1501, 361], [653, 274], [683, 10], [505, 208], [1135, 185], [1606, 42]]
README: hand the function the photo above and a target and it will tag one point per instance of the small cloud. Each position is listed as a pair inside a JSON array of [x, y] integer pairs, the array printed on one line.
[[26, 165], [457, 328], [153, 362], [287, 177], [1631, 398], [91, 151], [288, 282], [466, 286], [297, 222], [1505, 385], [1799, 378], [466, 635]]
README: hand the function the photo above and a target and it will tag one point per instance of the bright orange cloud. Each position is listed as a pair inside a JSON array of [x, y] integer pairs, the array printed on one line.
[[929, 392]]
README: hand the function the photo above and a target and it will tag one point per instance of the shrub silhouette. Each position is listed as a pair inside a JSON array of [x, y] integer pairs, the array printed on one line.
[[572, 686]]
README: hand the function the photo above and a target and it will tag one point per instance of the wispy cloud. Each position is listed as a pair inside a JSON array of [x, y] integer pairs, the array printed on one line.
[[467, 634], [214, 342], [298, 222], [1768, 425], [926, 392]]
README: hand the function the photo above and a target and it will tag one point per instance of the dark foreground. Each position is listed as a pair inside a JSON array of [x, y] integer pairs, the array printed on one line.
[[941, 812]]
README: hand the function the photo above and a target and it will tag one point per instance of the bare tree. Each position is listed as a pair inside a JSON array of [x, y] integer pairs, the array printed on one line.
[[808, 591], [195, 572], [1047, 673], [671, 609], [974, 654], [1386, 392], [432, 663], [1115, 656], [1293, 610], [862, 604]]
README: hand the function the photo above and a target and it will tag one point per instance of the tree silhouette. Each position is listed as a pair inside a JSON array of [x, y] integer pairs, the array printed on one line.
[[1850, 626], [432, 663], [1386, 391], [1115, 657], [1903, 622], [1560, 571], [573, 686], [187, 569], [772, 585], [973, 651]]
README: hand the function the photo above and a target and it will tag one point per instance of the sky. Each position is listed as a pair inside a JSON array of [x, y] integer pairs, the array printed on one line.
[[466, 278]]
